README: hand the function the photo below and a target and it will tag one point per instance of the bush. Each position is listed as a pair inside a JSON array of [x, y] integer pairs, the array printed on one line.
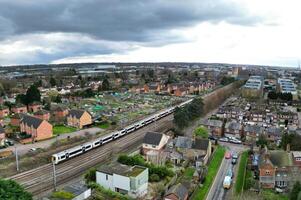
[[62, 195], [113, 195], [201, 131], [90, 175], [154, 178]]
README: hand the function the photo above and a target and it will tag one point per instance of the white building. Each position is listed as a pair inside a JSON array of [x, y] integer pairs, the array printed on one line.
[[287, 86], [130, 180]]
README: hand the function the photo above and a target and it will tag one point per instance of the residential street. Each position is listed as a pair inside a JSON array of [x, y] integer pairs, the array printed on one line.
[[217, 192], [23, 149]]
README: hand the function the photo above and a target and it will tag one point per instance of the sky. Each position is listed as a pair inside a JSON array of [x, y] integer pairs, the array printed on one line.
[[263, 32]]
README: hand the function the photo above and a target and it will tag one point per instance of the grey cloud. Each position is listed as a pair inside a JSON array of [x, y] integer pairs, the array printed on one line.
[[117, 20]]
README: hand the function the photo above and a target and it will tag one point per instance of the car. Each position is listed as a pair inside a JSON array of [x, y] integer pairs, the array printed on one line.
[[227, 155], [234, 160], [9, 142], [32, 150], [224, 139], [210, 137], [235, 155], [235, 141]]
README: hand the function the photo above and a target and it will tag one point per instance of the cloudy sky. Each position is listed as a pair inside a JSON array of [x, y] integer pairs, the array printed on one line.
[[264, 32]]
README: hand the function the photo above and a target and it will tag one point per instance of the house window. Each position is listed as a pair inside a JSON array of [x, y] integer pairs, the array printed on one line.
[[267, 172], [107, 177], [154, 146]]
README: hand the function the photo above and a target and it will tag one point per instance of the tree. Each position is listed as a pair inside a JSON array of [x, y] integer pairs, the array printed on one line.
[[32, 95], [21, 98], [90, 175], [201, 131], [105, 84], [181, 118], [52, 81], [295, 191], [10, 190], [227, 80], [262, 140], [272, 95]]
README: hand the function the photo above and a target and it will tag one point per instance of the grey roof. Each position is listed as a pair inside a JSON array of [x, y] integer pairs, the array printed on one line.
[[212, 122], [178, 190], [183, 142], [41, 112], [31, 121], [274, 131], [124, 170], [201, 144], [76, 113], [1, 129], [233, 125], [253, 128], [76, 188], [152, 138]]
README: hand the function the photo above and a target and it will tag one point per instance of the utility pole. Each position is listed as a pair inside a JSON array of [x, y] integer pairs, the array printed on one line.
[[54, 176], [17, 160]]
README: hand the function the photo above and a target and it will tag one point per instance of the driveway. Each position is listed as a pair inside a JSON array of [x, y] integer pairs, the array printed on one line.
[[23, 149]]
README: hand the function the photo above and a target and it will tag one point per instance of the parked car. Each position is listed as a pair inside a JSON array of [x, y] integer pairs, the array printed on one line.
[[210, 137], [224, 139], [234, 160], [9, 142]]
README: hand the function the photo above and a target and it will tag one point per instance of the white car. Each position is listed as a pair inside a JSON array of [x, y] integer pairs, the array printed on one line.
[[224, 139]]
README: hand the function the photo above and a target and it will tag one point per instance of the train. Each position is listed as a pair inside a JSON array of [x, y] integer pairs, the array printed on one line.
[[81, 149]]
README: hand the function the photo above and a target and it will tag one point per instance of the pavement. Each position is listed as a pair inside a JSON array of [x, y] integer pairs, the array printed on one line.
[[217, 192], [23, 149]]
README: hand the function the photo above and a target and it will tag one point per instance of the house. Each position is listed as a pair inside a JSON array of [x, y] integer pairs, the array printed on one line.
[[273, 134], [195, 149], [79, 118], [181, 91], [60, 113], [42, 114], [38, 129], [16, 119], [282, 178], [154, 141], [252, 132], [177, 192], [4, 111], [296, 156], [2, 134], [130, 180], [233, 129], [267, 172], [79, 190], [19, 108], [34, 107], [214, 127]]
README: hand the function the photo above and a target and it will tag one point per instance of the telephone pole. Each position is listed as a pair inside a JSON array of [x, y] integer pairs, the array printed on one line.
[[54, 176], [17, 160]]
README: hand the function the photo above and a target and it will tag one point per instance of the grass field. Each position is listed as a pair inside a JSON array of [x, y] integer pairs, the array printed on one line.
[[212, 170], [104, 125], [188, 173], [61, 129], [240, 178]]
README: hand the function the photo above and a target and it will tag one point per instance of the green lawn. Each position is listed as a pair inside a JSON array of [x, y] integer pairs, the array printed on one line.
[[271, 195], [188, 173], [61, 129], [212, 170], [240, 178], [104, 125]]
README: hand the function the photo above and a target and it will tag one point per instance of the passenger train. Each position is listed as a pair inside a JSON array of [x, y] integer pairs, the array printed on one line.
[[72, 152]]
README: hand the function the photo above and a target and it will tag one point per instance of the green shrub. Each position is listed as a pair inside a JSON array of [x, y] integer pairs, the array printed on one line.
[[62, 195], [154, 178], [90, 175]]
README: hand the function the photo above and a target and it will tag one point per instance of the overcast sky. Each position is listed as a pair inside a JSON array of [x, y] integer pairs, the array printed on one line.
[[264, 32]]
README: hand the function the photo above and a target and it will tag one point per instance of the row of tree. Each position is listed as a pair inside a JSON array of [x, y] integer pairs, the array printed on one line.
[[10, 190], [184, 115], [279, 95]]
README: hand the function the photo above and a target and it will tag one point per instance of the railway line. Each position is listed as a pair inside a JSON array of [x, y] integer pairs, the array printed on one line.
[[40, 179]]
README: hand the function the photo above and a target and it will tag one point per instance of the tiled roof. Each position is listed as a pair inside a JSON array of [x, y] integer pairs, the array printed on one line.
[[76, 113], [179, 190], [31, 121], [152, 138]]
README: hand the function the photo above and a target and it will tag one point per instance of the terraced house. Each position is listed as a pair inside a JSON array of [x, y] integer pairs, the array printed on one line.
[[79, 118], [37, 128]]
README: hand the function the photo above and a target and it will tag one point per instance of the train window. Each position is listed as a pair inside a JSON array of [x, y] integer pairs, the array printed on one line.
[[75, 152], [88, 146], [97, 143], [62, 157]]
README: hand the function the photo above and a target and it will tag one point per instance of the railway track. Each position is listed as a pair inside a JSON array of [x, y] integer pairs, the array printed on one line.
[[40, 179]]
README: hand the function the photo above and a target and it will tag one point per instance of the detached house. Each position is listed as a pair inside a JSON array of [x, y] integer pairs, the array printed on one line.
[[124, 179], [4, 111], [273, 134], [296, 156], [38, 129], [252, 132], [177, 192], [267, 172], [153, 145], [79, 118], [214, 127]]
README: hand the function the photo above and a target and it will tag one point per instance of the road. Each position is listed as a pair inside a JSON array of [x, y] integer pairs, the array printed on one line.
[[23, 149], [40, 179], [217, 192]]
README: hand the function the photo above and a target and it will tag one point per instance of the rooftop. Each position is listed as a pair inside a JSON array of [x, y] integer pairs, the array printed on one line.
[[124, 170]]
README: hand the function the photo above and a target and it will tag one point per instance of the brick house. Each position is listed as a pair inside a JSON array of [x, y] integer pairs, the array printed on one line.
[[34, 107], [4, 111], [79, 118], [60, 113], [38, 129], [177, 192], [19, 108], [16, 119], [233, 129], [42, 114], [181, 91], [267, 172], [273, 134], [296, 157], [252, 132], [214, 127]]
